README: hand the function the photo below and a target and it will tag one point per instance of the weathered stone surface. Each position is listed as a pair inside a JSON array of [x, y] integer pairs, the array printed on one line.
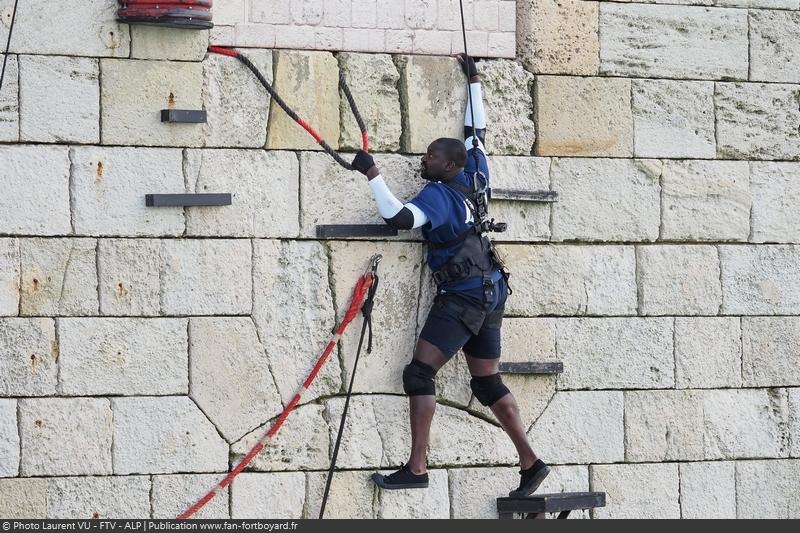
[[611, 353], [272, 496], [430, 503], [583, 116], [673, 119], [682, 280], [580, 427], [794, 421], [648, 491], [571, 280], [9, 100], [452, 382], [174, 494], [156, 435], [708, 352], [70, 114], [706, 201], [28, 357], [236, 103], [9, 276], [109, 185], [663, 426], [35, 199], [774, 45], [9, 439], [153, 42], [673, 42], [558, 37], [606, 199], [206, 277], [362, 445], [767, 4], [394, 320], [771, 351], [98, 497], [59, 277], [303, 443], [760, 280], [431, 91], [84, 28], [775, 190], [230, 376], [526, 221], [264, 187], [134, 92], [351, 495], [295, 312], [373, 81], [63, 437], [708, 490], [508, 97], [123, 356], [128, 270], [745, 423], [310, 81], [767, 488], [23, 498], [458, 438], [757, 121], [328, 190]]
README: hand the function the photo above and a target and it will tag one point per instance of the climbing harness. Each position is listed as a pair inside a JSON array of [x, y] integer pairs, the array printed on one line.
[[8, 43], [363, 295], [289, 111]]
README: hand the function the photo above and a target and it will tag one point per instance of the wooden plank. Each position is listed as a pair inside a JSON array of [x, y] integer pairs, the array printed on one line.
[[187, 200], [340, 231], [533, 367], [552, 503], [520, 195]]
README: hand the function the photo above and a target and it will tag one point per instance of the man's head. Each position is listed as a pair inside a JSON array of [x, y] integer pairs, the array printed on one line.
[[444, 159]]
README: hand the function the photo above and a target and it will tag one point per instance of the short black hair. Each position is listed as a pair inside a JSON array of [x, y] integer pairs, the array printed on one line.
[[453, 149]]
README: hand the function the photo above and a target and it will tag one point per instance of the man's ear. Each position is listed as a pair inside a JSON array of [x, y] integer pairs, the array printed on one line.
[[450, 165]]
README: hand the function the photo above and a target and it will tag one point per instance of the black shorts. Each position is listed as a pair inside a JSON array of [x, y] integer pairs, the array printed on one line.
[[461, 320]]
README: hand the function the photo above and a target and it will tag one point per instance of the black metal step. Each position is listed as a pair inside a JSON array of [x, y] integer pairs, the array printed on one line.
[[338, 231], [520, 195], [548, 367], [187, 200], [562, 503], [187, 116]]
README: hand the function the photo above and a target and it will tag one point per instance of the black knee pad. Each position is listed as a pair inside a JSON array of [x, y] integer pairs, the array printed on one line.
[[488, 389], [418, 379]]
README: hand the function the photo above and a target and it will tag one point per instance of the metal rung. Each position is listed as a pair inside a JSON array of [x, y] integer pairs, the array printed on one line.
[[333, 231], [520, 195], [187, 200], [186, 116], [550, 503], [554, 367]]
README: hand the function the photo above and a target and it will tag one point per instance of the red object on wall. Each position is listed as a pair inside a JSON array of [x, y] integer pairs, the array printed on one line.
[[188, 14]]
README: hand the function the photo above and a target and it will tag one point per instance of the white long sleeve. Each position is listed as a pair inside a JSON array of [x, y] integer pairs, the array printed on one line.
[[477, 101], [389, 206]]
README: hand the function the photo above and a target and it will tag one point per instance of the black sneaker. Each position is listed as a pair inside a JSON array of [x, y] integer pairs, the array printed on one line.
[[402, 479], [530, 479]]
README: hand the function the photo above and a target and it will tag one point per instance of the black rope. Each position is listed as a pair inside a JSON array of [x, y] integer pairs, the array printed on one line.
[[475, 142], [8, 44], [350, 100]]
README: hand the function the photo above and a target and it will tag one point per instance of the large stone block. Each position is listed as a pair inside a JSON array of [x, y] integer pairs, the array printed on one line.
[[775, 190], [680, 280], [123, 356], [362, 445], [760, 280], [771, 351], [708, 490], [351, 495], [673, 119], [98, 497], [206, 277], [583, 116], [606, 199], [508, 96], [774, 44], [35, 199], [264, 187], [431, 92], [767, 488], [706, 201], [708, 352], [558, 37], [794, 422], [571, 280], [157, 435], [59, 277], [766, 4], [310, 83], [581, 427], [295, 312], [271, 496], [9, 440], [637, 491], [70, 114], [172, 495], [129, 276], [134, 92], [9, 100], [23, 498], [673, 42], [28, 357], [373, 81], [663, 426], [526, 221], [745, 423], [611, 353], [109, 185], [236, 103], [153, 42], [64, 437], [9, 276], [757, 121], [431, 503], [230, 375]]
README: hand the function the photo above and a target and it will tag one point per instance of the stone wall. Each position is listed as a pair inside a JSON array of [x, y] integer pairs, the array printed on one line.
[[144, 350]]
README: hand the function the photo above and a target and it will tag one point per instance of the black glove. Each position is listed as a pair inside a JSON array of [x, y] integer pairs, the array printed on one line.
[[467, 65], [363, 162]]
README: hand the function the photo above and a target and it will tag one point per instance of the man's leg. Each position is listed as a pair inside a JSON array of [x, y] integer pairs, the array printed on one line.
[[422, 408]]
